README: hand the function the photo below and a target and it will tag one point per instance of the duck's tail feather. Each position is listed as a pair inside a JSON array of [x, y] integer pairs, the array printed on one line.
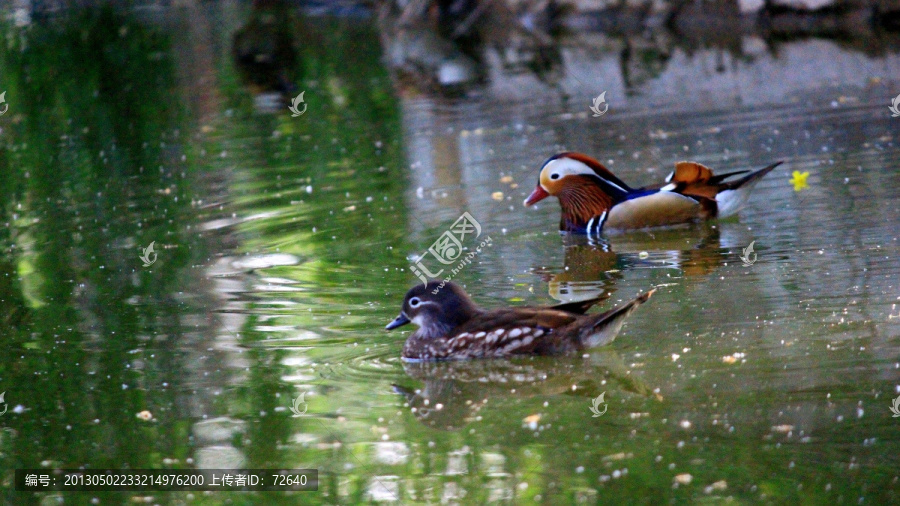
[[735, 194], [751, 178], [580, 306], [722, 177], [606, 326]]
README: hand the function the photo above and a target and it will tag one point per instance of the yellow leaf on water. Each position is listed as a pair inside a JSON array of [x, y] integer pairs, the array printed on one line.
[[798, 179]]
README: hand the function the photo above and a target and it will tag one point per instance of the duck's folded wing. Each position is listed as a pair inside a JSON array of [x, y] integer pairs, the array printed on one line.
[[506, 332]]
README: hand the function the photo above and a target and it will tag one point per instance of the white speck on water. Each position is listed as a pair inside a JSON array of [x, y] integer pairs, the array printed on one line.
[[683, 479]]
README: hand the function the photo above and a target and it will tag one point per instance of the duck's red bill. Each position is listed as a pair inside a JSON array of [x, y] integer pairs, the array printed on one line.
[[537, 195]]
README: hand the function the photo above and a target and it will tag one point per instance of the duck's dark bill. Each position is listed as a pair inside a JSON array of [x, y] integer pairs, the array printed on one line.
[[399, 321], [536, 196]]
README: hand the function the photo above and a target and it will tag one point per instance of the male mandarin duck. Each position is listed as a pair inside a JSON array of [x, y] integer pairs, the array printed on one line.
[[453, 327], [593, 199]]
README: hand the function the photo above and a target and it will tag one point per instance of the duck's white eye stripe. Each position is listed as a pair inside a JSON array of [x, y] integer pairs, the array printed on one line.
[[414, 302], [568, 166]]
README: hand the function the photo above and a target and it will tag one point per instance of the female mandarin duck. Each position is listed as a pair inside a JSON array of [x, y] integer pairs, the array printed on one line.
[[593, 199], [452, 327]]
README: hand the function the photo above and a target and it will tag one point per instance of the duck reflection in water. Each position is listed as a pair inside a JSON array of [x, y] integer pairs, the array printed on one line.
[[455, 392], [593, 267]]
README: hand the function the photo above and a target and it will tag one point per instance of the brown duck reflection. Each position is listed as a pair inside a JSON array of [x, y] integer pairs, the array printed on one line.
[[265, 52], [592, 269], [454, 392]]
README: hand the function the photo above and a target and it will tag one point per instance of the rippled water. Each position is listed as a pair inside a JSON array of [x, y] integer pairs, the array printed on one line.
[[284, 244]]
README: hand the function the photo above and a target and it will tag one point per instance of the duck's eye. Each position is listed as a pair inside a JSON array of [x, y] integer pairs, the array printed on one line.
[[554, 176], [414, 302]]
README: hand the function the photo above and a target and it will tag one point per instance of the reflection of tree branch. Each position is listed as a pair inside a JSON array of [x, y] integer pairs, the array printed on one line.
[[463, 27], [99, 322]]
